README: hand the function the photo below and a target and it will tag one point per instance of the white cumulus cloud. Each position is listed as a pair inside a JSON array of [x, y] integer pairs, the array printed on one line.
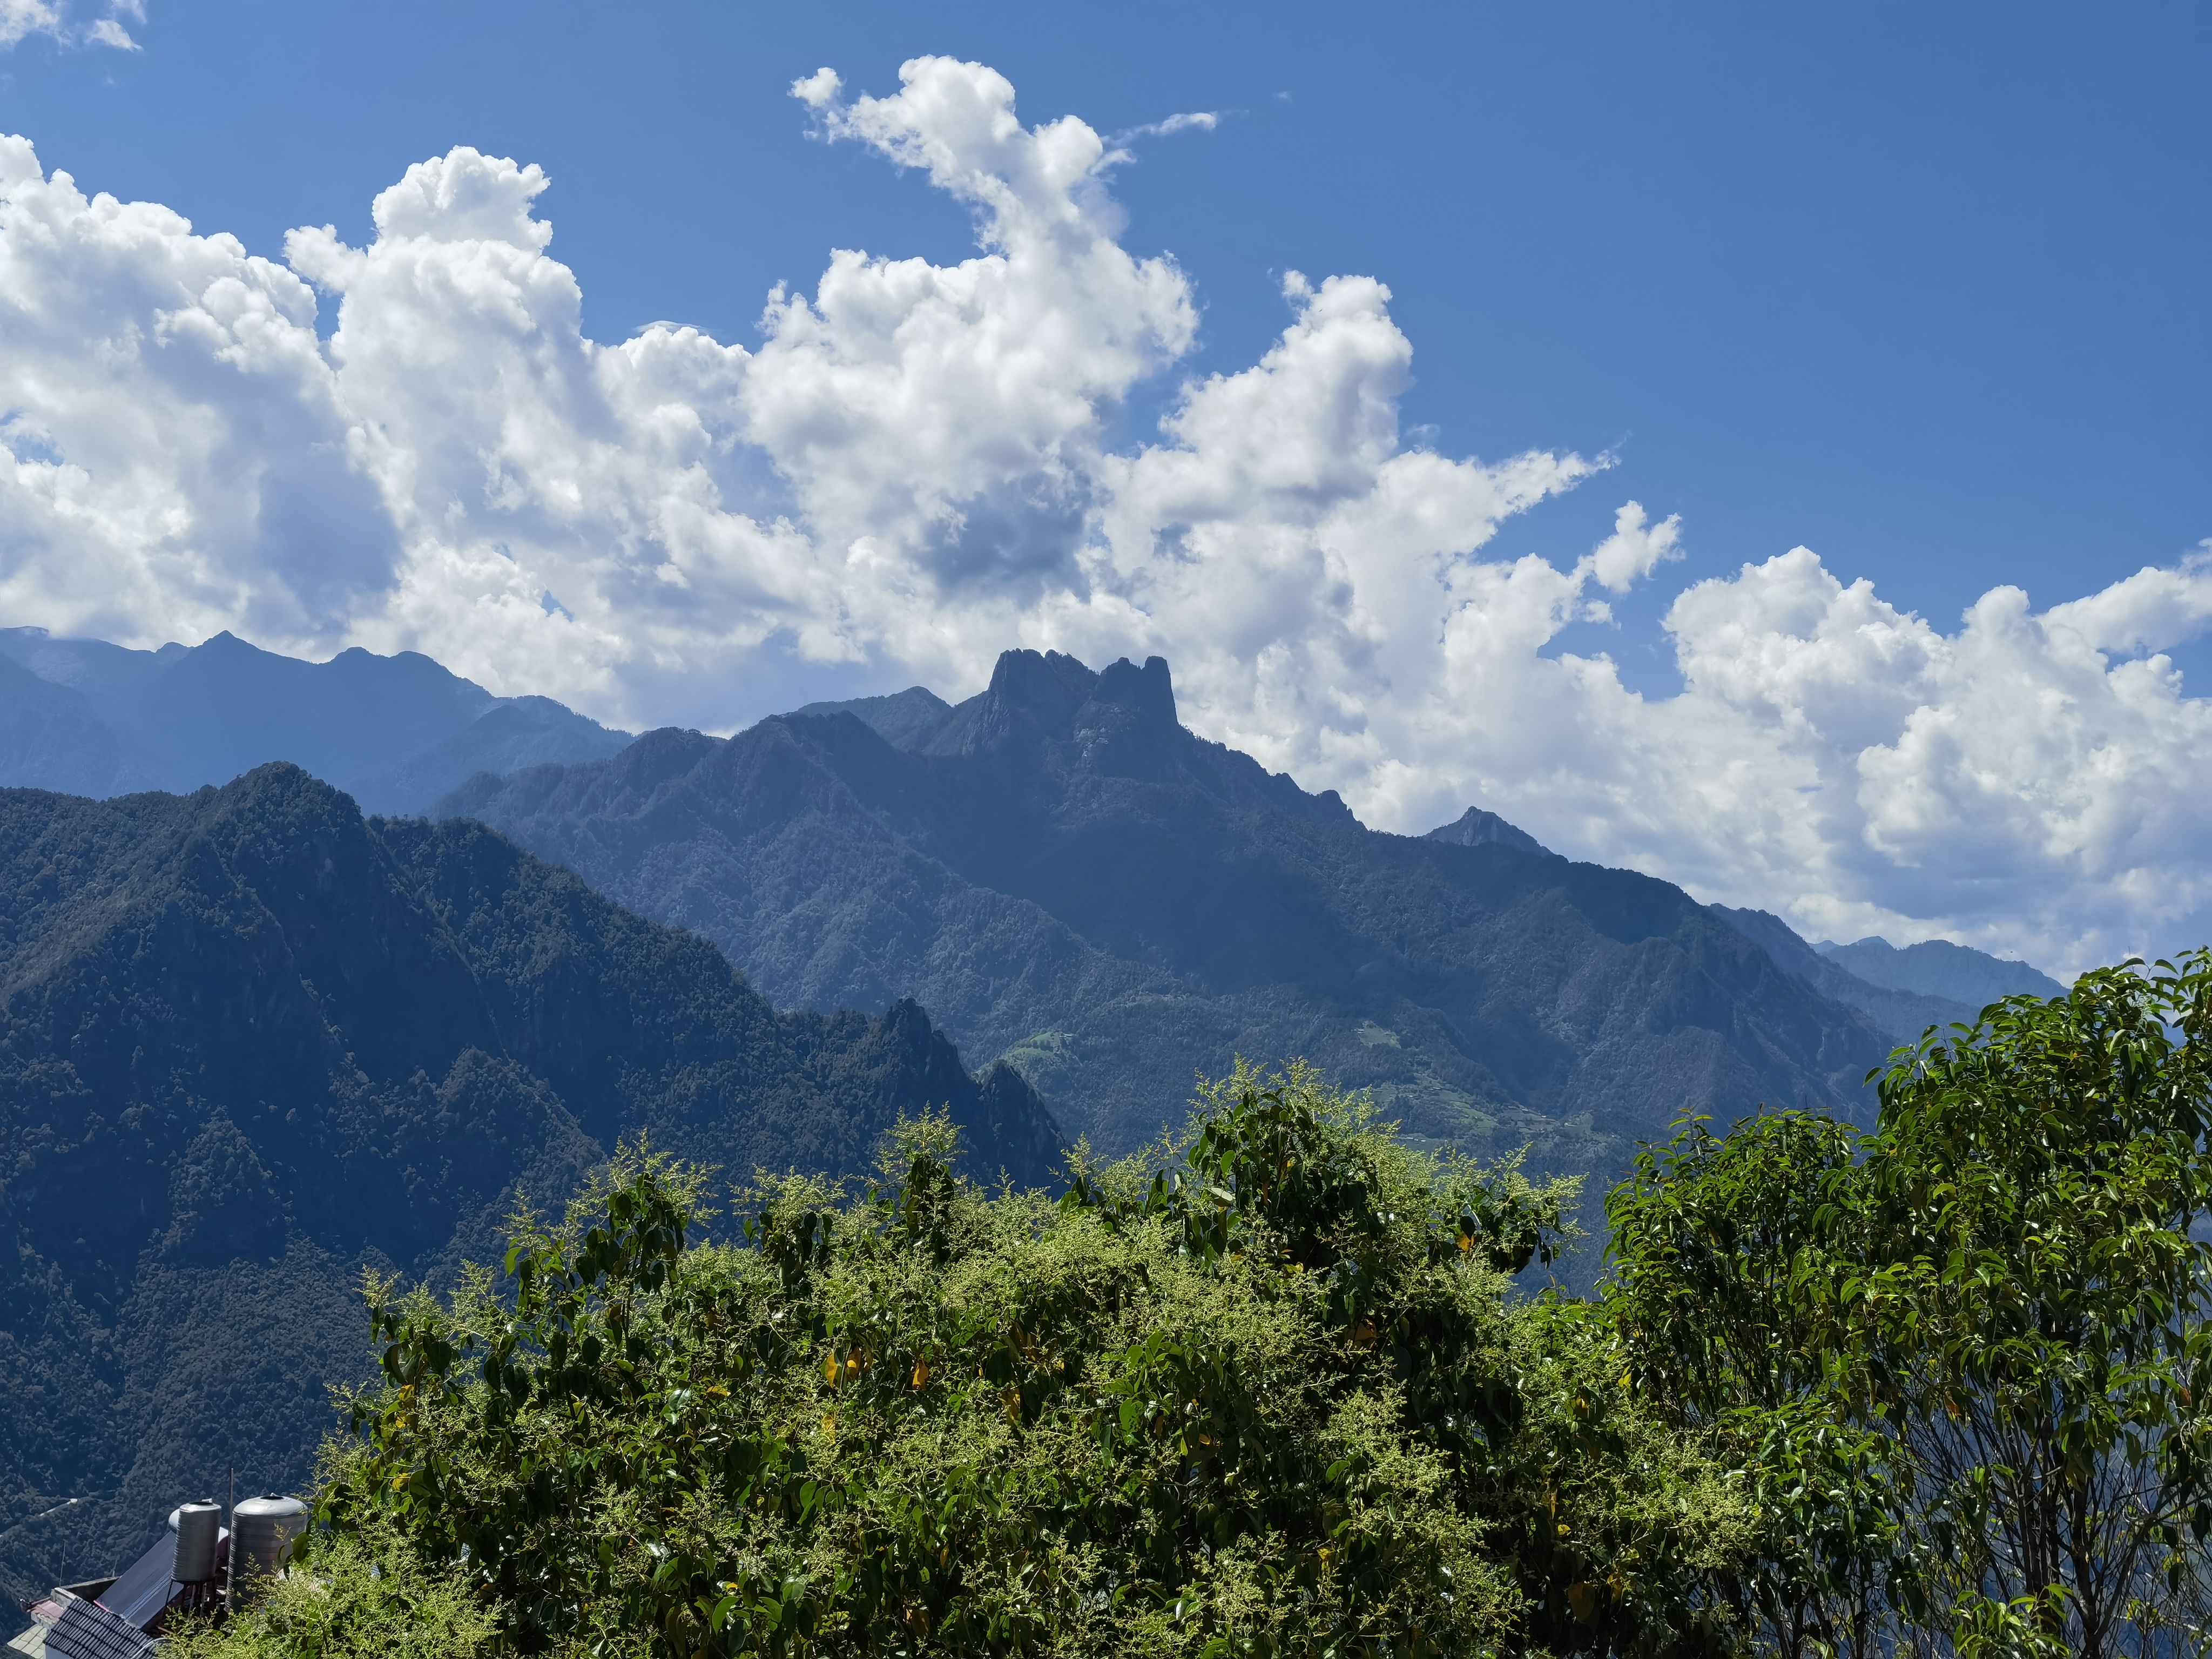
[[914, 467], [2022, 783]]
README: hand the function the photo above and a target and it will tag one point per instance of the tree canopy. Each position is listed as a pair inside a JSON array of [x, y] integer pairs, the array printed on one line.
[[1272, 1390], [1963, 1360]]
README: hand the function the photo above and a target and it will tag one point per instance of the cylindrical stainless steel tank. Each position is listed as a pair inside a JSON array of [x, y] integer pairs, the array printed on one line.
[[262, 1533], [198, 1527]]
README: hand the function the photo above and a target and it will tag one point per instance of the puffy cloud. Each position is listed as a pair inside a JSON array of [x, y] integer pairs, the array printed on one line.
[[2019, 784], [950, 419], [915, 469], [179, 460], [21, 19]]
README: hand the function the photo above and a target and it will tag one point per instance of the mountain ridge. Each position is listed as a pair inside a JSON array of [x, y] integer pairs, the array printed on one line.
[[1939, 968], [1069, 879], [94, 719], [252, 1044], [1903, 1015]]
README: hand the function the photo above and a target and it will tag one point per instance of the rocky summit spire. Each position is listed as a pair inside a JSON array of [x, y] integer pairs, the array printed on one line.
[[1146, 691], [1049, 697]]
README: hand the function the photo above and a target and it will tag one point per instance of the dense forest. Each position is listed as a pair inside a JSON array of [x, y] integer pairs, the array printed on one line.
[[1934, 1387], [251, 1043]]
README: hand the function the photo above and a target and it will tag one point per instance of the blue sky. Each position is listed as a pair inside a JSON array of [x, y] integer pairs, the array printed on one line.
[[1919, 288]]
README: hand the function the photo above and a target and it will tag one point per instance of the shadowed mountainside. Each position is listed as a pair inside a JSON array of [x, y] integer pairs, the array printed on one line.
[[251, 1043], [1065, 877]]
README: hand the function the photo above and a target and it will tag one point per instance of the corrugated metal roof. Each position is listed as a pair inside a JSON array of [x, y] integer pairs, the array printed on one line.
[[142, 1592]]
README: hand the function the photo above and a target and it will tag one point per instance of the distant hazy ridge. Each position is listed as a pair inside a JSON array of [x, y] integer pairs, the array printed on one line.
[[87, 718]]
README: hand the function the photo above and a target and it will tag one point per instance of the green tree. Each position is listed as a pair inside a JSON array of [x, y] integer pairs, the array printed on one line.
[[1724, 1251], [2034, 1300], [1962, 1361], [369, 1598], [1263, 1394]]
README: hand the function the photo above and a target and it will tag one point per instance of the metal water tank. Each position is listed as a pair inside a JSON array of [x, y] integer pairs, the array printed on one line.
[[198, 1527], [262, 1533]]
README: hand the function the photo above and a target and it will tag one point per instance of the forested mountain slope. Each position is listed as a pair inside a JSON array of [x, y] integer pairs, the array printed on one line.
[[95, 718], [1061, 873], [251, 1043]]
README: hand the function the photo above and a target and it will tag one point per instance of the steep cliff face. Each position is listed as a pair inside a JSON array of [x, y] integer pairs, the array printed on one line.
[[1063, 875], [251, 1044]]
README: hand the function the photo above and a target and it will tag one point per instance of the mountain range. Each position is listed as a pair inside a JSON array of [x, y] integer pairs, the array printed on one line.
[[89, 718], [1901, 1011], [1937, 968], [252, 1044], [1075, 884]]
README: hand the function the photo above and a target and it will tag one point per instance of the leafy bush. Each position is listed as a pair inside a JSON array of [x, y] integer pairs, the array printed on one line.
[[360, 1596], [1265, 1395]]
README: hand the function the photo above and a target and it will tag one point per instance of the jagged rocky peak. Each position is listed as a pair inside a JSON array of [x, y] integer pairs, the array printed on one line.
[[1049, 690], [1046, 714], [1477, 827], [1049, 697], [1146, 691], [1042, 692]]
